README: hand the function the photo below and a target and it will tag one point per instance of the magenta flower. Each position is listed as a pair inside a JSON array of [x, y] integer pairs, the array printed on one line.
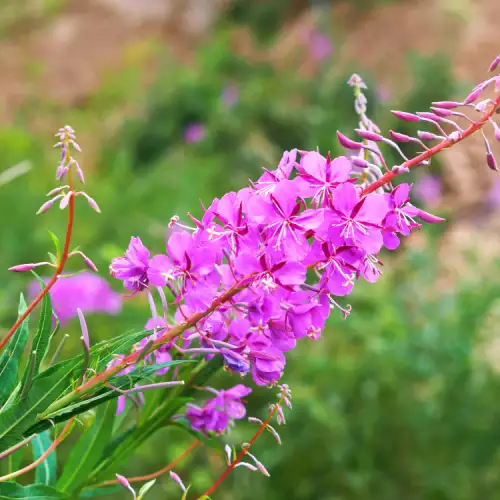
[[355, 220], [133, 267], [86, 291], [283, 222], [400, 218], [194, 133], [318, 176], [217, 413]]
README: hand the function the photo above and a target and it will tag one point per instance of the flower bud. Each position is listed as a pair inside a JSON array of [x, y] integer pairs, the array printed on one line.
[[359, 162], [369, 136], [429, 218], [407, 117], [428, 116], [429, 136], [474, 95], [494, 65], [441, 112], [348, 143], [396, 136], [490, 160], [48, 204], [22, 268], [446, 104], [65, 200]]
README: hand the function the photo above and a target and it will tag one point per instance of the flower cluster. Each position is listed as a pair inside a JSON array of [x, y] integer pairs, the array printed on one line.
[[308, 214], [265, 266], [219, 412]]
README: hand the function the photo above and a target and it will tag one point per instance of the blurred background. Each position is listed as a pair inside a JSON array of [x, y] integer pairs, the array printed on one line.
[[177, 101]]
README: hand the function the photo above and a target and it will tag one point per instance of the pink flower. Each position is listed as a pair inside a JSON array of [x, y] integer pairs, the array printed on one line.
[[86, 291]]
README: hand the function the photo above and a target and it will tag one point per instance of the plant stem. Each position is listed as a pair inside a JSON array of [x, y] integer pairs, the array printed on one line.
[[156, 474], [55, 277], [39, 460], [170, 334], [445, 144], [243, 452]]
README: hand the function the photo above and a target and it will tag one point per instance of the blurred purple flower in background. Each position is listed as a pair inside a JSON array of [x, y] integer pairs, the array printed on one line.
[[428, 190], [86, 291], [194, 133], [383, 94], [493, 198], [230, 95], [320, 45]]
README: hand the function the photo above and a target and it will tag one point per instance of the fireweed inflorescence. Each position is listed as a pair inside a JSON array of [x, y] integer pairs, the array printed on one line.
[[265, 266]]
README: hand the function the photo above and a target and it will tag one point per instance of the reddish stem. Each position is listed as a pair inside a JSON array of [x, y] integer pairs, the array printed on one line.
[[473, 128], [243, 452], [148, 477], [39, 460], [55, 277]]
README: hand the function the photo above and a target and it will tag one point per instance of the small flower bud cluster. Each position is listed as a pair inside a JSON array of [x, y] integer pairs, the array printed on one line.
[[64, 194]]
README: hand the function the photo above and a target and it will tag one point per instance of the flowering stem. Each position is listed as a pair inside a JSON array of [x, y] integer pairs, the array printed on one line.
[[39, 460], [55, 277], [170, 334], [446, 143], [156, 474], [243, 452], [16, 447]]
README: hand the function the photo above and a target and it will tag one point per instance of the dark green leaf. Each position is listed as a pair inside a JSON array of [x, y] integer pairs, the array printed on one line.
[[47, 388], [88, 451], [31, 492], [122, 382], [9, 361], [42, 337], [46, 472]]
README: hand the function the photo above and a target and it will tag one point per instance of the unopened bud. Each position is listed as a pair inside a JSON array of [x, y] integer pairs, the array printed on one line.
[[429, 136], [48, 204], [494, 65], [446, 104], [348, 143], [407, 117], [490, 160], [429, 218], [369, 136], [396, 136], [22, 268]]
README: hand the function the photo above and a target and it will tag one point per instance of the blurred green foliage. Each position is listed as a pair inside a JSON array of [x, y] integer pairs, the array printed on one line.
[[390, 403]]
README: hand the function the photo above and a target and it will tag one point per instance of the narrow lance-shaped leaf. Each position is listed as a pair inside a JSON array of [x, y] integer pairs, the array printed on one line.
[[9, 361], [46, 472], [47, 387], [41, 340], [88, 451], [11, 490]]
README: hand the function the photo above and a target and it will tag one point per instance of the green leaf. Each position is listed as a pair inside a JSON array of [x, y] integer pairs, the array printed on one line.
[[145, 488], [11, 491], [46, 472], [122, 382], [88, 451], [9, 361], [55, 240], [105, 490], [47, 388], [42, 337]]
